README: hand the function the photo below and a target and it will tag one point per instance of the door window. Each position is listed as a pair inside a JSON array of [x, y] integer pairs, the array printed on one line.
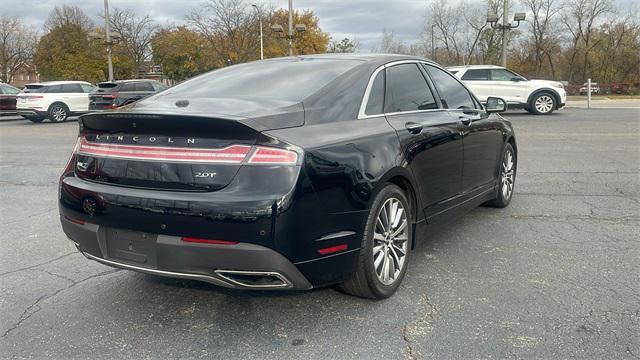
[[503, 75], [87, 88], [129, 86], [476, 74], [452, 93], [144, 86], [375, 103], [407, 90]]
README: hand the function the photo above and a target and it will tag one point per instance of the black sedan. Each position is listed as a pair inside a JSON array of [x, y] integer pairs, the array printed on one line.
[[110, 95], [288, 173]]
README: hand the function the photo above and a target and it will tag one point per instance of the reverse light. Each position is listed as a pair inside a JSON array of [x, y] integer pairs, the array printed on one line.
[[208, 241]]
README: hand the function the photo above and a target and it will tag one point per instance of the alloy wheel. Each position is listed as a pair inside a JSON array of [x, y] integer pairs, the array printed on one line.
[[507, 175], [544, 104], [390, 241], [58, 113]]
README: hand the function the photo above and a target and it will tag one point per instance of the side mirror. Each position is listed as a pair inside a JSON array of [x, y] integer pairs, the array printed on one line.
[[516, 79], [495, 105]]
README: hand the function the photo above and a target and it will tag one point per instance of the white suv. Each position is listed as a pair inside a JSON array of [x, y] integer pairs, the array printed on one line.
[[55, 100], [540, 97]]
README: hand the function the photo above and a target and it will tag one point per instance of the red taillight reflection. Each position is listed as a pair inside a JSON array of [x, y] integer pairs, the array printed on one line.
[[332, 249], [264, 155], [75, 221], [208, 241]]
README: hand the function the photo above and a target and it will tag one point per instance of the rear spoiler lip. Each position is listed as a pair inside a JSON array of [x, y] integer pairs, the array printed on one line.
[[250, 122]]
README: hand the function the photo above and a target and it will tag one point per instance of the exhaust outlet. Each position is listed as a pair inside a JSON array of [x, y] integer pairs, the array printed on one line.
[[255, 279]]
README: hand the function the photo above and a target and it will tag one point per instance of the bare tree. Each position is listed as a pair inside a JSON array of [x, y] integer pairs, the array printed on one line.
[[543, 14], [230, 26], [390, 45], [17, 46], [581, 20], [67, 14], [136, 34]]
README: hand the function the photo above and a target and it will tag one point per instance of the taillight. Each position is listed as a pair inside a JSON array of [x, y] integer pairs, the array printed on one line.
[[208, 241], [110, 96], [265, 155], [230, 155], [233, 154]]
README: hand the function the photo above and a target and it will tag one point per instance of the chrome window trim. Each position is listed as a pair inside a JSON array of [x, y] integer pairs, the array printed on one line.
[[365, 99]]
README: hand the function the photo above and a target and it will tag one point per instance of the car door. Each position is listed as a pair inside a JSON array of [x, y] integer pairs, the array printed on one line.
[[509, 86], [480, 133], [478, 81], [429, 137], [75, 98]]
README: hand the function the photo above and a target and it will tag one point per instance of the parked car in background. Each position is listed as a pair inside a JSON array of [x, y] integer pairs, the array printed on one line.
[[540, 97], [55, 100], [595, 88], [288, 173], [110, 95], [8, 99]]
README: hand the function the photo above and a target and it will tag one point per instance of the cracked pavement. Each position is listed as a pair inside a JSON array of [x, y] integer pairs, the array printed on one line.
[[555, 275]]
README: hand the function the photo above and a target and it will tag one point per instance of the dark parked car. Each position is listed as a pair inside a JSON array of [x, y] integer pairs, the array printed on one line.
[[8, 99], [289, 173], [110, 95]]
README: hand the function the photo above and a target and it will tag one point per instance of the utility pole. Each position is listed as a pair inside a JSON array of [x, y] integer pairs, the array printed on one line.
[[108, 38], [290, 27], [505, 24]]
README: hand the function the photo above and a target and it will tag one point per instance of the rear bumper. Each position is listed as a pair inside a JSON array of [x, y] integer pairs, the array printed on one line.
[[240, 266], [30, 112]]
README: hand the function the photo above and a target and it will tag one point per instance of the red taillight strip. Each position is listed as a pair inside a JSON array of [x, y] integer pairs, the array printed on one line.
[[264, 155], [234, 154], [208, 241]]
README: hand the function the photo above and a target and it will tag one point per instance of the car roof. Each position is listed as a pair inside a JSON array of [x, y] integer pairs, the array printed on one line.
[[365, 58], [474, 67], [49, 83], [126, 81]]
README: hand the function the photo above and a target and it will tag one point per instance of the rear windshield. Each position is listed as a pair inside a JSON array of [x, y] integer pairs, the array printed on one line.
[[34, 89], [291, 80]]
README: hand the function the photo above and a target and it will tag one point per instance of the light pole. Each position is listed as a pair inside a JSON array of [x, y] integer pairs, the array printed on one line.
[[506, 25], [299, 28], [433, 44], [260, 20], [108, 38]]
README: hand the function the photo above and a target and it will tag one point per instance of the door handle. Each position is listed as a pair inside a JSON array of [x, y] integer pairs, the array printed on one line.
[[465, 120], [413, 127]]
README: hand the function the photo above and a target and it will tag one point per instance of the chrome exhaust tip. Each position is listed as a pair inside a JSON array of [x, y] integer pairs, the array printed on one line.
[[255, 279]]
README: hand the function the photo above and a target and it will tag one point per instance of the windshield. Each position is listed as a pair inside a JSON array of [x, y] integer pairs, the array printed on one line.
[[290, 79]]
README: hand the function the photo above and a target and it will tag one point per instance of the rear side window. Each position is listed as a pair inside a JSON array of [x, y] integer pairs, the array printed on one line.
[[86, 88], [407, 90], [158, 86], [452, 93], [34, 89], [71, 88], [376, 96], [144, 86], [476, 74]]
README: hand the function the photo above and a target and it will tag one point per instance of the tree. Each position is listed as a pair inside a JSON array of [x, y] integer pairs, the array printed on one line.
[[346, 45], [390, 45], [136, 34], [183, 53], [65, 53], [312, 41], [68, 15], [17, 45]]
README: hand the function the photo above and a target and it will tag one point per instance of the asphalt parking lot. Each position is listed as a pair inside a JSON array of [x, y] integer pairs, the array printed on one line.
[[555, 275]]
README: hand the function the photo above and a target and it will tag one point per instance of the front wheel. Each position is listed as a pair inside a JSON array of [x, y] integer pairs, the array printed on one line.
[[543, 104], [508, 167], [385, 249]]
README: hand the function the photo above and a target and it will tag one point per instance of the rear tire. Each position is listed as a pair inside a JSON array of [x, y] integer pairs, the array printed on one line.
[[508, 167], [58, 112], [381, 265]]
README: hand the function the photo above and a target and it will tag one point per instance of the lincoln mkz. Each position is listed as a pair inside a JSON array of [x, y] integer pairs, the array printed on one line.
[[289, 173]]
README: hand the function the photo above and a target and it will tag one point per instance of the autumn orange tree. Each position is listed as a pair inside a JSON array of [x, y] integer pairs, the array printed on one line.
[[183, 53], [312, 41]]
